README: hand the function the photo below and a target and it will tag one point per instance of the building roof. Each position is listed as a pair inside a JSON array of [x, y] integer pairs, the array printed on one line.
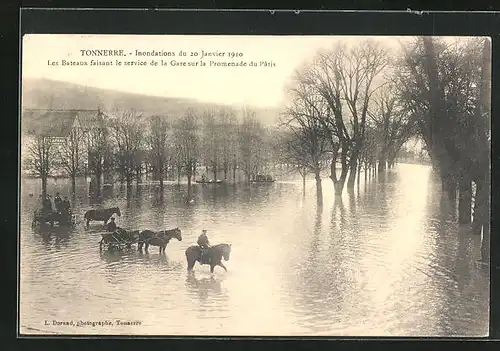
[[58, 123]]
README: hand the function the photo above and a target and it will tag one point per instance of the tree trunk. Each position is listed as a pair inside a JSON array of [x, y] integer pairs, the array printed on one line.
[[44, 186], [319, 188], [190, 190], [465, 202], [481, 220], [214, 171], [359, 174], [73, 183], [98, 176], [161, 178], [480, 206], [138, 175], [340, 182], [128, 180], [382, 163], [353, 166], [156, 173], [304, 184], [449, 185], [485, 243]]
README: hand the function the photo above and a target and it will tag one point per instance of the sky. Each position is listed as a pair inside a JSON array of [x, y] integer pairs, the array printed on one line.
[[258, 86]]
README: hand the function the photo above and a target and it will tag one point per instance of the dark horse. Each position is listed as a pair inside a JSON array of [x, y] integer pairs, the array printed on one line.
[[62, 218], [101, 214], [160, 239], [214, 253]]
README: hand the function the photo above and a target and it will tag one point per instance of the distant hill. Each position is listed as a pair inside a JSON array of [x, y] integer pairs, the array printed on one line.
[[41, 93]]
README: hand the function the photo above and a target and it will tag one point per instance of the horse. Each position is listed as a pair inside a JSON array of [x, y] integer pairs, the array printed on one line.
[[62, 218], [160, 239], [214, 255], [101, 214]]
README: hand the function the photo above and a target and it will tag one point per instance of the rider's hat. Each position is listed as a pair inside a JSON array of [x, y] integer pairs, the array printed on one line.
[[204, 231]]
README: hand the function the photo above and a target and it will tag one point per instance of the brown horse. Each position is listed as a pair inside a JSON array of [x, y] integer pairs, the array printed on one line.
[[160, 239], [101, 214], [213, 257]]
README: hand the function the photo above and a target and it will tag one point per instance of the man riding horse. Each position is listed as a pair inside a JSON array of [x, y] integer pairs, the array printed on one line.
[[204, 245]]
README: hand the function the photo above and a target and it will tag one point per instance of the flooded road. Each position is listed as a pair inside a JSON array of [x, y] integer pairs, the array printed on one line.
[[387, 260]]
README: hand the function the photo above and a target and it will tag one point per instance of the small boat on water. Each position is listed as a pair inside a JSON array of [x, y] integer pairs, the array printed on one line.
[[208, 181], [260, 178], [263, 181]]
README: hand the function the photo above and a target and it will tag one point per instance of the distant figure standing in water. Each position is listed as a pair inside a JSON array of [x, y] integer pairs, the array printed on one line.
[[47, 204], [58, 202], [65, 205], [204, 243]]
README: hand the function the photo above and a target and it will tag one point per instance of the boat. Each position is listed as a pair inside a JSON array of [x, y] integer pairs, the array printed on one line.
[[208, 181], [260, 178]]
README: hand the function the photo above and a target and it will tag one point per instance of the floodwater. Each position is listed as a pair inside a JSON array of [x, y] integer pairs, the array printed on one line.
[[387, 260]]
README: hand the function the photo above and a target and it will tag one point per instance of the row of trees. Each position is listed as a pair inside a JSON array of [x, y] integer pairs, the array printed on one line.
[[354, 107], [129, 145], [344, 114]]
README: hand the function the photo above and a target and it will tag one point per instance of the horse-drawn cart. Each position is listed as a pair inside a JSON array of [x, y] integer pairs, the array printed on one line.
[[65, 218], [118, 240]]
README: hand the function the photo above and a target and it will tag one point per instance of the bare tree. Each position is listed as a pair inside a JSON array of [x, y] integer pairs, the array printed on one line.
[[40, 160], [158, 136], [187, 142], [251, 143], [99, 151], [391, 123], [360, 67], [212, 135], [126, 132], [322, 78], [71, 154], [345, 78], [310, 140], [228, 138]]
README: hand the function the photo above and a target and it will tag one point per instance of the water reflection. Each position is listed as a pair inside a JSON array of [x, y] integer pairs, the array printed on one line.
[[384, 259], [203, 288]]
